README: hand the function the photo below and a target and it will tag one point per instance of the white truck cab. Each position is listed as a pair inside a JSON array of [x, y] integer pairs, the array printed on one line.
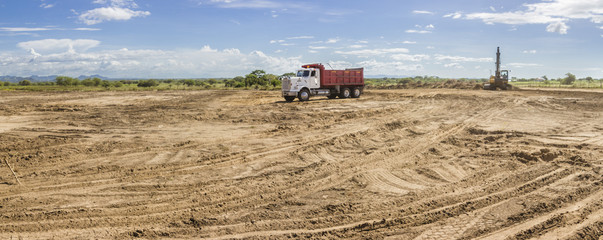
[[304, 82]]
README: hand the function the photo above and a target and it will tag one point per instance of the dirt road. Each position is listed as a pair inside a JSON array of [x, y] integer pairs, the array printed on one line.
[[394, 164]]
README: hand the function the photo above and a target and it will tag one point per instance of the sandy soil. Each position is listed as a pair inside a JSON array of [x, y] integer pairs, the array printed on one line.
[[394, 164]]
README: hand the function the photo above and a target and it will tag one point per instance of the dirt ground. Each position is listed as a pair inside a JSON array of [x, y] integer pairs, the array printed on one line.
[[394, 164]]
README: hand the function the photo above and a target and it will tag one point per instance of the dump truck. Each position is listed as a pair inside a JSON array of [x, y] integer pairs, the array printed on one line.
[[315, 80], [500, 80]]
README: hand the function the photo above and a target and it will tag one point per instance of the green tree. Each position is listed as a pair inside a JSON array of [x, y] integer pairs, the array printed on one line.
[[570, 79], [105, 83], [87, 82], [97, 81], [24, 82], [291, 74], [117, 84], [259, 73], [189, 82], [275, 82], [66, 81], [251, 79], [589, 79]]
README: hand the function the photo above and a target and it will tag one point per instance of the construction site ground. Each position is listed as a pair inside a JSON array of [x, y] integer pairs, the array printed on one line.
[[225, 164]]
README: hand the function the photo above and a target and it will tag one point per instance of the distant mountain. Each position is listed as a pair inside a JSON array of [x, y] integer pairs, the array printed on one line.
[[36, 78], [92, 76]]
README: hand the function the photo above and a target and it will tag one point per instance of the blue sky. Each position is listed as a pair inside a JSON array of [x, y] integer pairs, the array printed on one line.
[[226, 38]]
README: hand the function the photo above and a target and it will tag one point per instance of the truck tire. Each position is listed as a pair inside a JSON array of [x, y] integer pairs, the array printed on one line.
[[289, 98], [356, 93], [303, 95], [345, 93]]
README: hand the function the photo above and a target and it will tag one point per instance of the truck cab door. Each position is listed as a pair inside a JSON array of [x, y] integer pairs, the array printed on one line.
[[314, 79]]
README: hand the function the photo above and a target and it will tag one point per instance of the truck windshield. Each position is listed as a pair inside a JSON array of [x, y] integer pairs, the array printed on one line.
[[303, 73]]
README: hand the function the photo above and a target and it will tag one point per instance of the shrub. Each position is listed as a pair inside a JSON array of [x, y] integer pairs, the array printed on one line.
[[148, 83]]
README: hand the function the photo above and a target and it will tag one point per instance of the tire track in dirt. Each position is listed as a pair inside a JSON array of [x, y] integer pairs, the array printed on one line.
[[389, 163]]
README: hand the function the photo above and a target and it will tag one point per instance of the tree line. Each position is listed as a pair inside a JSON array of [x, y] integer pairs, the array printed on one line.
[[258, 79], [255, 79]]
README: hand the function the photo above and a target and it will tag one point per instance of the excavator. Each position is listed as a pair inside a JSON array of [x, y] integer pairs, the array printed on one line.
[[501, 78]]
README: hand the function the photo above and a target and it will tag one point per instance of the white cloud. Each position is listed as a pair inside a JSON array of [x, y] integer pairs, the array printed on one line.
[[207, 49], [26, 29], [317, 47], [409, 42], [454, 65], [493, 9], [300, 37], [276, 41], [34, 54], [555, 13], [46, 5], [408, 57], [558, 27], [530, 51], [356, 46], [420, 29], [87, 29], [332, 40], [372, 52], [99, 15], [522, 65], [455, 15], [115, 10], [422, 12], [23, 29], [417, 31], [440, 57], [59, 45]]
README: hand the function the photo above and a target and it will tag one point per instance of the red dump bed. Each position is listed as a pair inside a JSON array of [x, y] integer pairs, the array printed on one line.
[[331, 78]]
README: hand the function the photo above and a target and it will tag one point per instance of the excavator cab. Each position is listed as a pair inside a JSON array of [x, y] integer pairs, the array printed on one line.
[[504, 75]]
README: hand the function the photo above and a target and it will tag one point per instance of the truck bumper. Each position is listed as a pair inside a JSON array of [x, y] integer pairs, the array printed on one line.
[[289, 94]]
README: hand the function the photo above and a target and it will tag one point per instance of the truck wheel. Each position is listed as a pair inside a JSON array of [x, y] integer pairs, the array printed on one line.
[[304, 95], [289, 98], [356, 93], [345, 93]]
